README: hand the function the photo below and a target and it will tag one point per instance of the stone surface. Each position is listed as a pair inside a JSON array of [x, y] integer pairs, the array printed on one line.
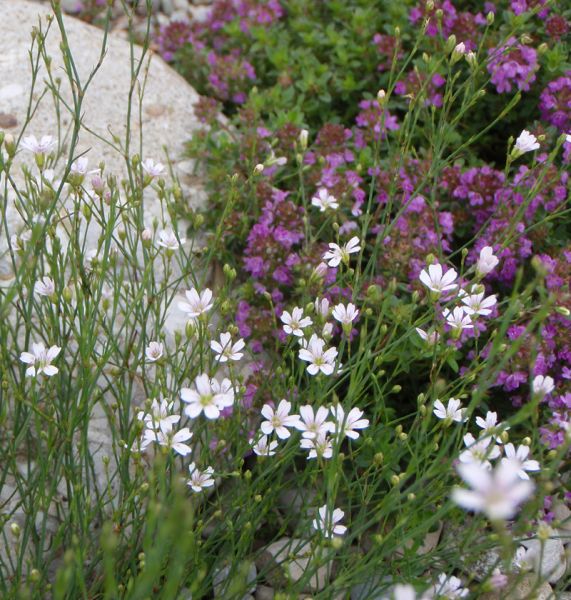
[[549, 559], [241, 579]]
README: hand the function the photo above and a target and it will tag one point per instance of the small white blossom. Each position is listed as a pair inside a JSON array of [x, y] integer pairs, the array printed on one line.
[[45, 287], [458, 319], [479, 451], [520, 461], [328, 522], [543, 385], [437, 281], [197, 304], [526, 142], [40, 360], [295, 323], [154, 351], [497, 493], [226, 350], [447, 587], [160, 416], [319, 446], [278, 419], [487, 261], [169, 439], [324, 200], [199, 479], [43, 146], [491, 427], [153, 169], [313, 424], [347, 424], [208, 396], [337, 254], [79, 166], [476, 304], [169, 240], [262, 447], [322, 307], [453, 411], [431, 337], [319, 359], [345, 314]]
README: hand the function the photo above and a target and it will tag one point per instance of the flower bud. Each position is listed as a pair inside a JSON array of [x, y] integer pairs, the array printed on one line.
[[258, 169], [302, 139], [490, 17], [381, 97]]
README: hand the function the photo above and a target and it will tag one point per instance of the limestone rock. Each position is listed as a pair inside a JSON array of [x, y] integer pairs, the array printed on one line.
[[551, 556], [235, 580]]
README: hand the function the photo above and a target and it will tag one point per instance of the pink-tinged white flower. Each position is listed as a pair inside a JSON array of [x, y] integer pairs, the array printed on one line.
[[460, 48], [347, 424], [337, 254], [154, 351], [458, 319], [313, 424], [497, 493], [345, 314], [437, 281], [328, 522], [479, 451], [79, 166], [223, 391], [295, 323], [263, 447], [169, 240], [491, 427], [487, 261], [197, 304], [518, 458], [476, 304], [199, 479], [447, 587], [319, 446], [319, 359], [327, 331], [40, 360], [430, 337], [278, 419], [45, 287], [206, 397], [453, 412], [175, 440], [153, 169], [526, 142], [146, 234], [543, 385], [324, 200], [160, 416], [225, 349], [46, 143], [322, 307]]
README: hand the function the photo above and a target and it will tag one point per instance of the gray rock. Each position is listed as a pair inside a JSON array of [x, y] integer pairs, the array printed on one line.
[[264, 592], [230, 580], [550, 561]]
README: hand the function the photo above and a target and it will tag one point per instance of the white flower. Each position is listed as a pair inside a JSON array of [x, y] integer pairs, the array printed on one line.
[[199, 479], [327, 523], [453, 411], [322, 307], [319, 446], [431, 337], [345, 314], [491, 427], [197, 304], [226, 350], [319, 358], [40, 360], [526, 142], [79, 166], [447, 587], [336, 254], [314, 424], [160, 416], [324, 200], [154, 351], [458, 319], [346, 424], [278, 420], [520, 461], [262, 448], [476, 304], [224, 392], [208, 397], [496, 493], [487, 261], [479, 451], [436, 281], [168, 239], [460, 48], [45, 287], [295, 323], [168, 439], [543, 385], [38, 147], [151, 168]]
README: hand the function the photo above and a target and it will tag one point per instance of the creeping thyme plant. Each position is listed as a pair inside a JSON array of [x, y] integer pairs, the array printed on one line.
[[349, 376]]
